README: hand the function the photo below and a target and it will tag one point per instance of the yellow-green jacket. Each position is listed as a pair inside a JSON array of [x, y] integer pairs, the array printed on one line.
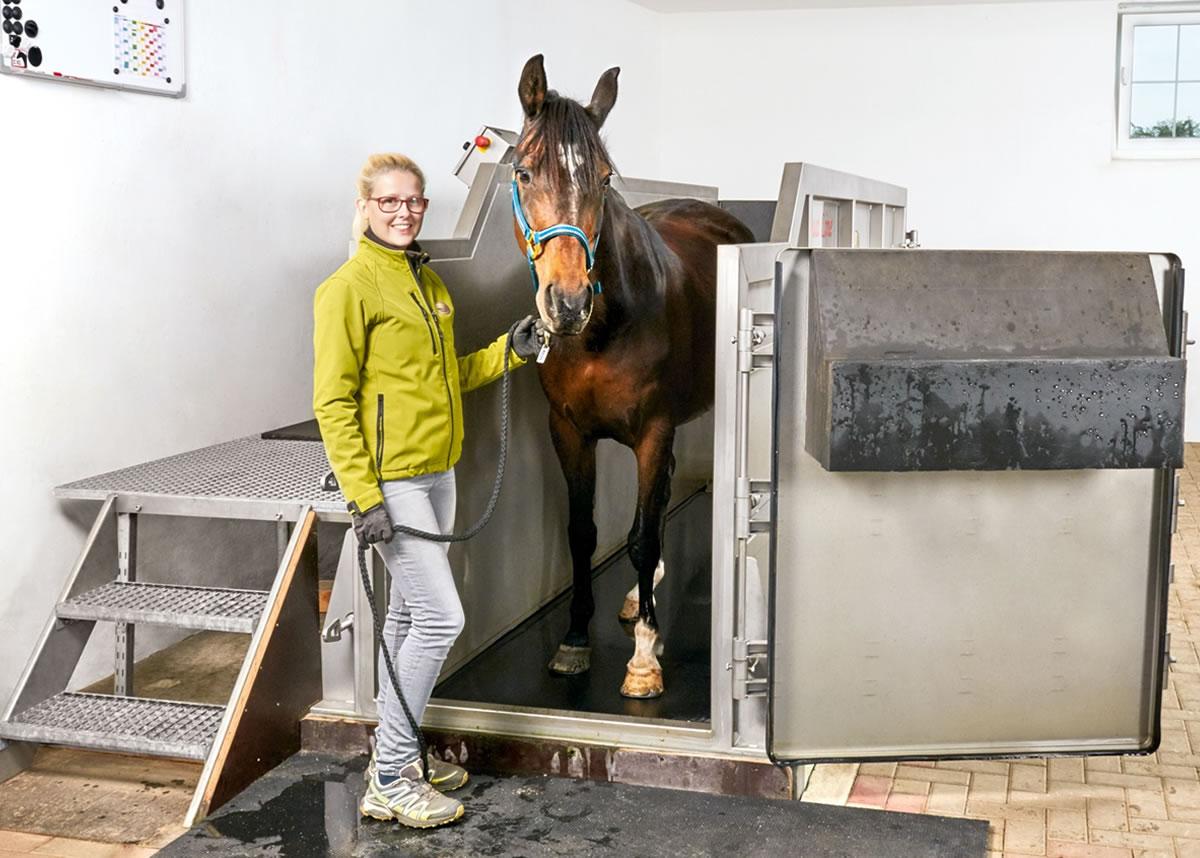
[[386, 378]]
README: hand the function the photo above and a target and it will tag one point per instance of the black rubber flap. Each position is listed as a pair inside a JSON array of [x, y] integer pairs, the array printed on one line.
[[988, 360], [306, 431], [308, 806]]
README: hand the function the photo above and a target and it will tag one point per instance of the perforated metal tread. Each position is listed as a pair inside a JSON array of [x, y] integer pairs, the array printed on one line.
[[209, 608], [133, 725], [245, 469]]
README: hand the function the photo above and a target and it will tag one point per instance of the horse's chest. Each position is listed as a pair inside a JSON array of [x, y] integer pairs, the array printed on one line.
[[593, 394]]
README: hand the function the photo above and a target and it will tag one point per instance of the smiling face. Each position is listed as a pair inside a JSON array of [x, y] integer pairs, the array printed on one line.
[[398, 228]]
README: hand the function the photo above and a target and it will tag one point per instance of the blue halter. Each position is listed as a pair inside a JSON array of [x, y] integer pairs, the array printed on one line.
[[533, 240]]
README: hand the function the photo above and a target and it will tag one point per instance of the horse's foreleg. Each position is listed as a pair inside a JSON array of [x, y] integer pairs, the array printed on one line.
[[577, 456], [629, 610], [643, 674]]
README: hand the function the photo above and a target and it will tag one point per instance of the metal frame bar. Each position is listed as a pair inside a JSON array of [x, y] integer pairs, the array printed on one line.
[[125, 633]]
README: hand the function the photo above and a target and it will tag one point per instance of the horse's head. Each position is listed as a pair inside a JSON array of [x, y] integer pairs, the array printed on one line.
[[561, 172]]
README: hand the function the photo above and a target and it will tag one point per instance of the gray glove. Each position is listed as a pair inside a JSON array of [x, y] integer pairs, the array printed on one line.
[[374, 525], [527, 338]]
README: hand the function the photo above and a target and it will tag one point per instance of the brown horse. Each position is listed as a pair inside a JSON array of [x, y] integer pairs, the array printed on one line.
[[628, 296]]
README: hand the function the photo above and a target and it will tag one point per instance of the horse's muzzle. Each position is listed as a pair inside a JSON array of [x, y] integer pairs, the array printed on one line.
[[568, 310]]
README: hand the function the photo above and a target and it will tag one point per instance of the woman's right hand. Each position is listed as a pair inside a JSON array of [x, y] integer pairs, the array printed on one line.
[[374, 525]]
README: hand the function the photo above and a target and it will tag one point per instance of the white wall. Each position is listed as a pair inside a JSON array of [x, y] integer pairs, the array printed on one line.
[[158, 257], [998, 118]]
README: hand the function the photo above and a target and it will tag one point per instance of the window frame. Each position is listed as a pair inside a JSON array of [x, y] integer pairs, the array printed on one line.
[[1130, 15]]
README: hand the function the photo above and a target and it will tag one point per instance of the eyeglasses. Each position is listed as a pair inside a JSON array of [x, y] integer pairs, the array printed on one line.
[[389, 205]]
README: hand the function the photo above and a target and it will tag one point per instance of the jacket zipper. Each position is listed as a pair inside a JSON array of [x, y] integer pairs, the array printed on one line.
[[425, 316], [449, 396], [379, 438], [445, 372]]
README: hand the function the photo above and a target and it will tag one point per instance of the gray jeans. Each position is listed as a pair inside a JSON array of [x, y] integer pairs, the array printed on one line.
[[424, 615]]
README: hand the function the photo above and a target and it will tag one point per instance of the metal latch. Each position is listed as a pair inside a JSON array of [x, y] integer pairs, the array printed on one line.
[[1168, 660], [333, 631], [749, 668]]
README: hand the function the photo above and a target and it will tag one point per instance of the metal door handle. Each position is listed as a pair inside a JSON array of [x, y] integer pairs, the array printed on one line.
[[333, 631]]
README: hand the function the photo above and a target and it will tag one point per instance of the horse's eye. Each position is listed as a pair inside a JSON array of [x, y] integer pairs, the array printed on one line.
[[524, 175], [607, 183]]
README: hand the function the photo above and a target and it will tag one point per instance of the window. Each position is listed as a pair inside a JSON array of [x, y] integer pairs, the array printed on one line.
[[1158, 79]]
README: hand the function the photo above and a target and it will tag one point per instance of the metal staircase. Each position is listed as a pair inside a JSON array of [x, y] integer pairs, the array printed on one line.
[[103, 587]]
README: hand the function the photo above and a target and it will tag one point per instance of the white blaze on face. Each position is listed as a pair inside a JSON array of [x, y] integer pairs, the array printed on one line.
[[572, 162]]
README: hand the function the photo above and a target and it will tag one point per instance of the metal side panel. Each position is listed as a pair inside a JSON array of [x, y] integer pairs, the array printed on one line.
[[60, 645], [956, 613], [741, 456], [819, 207]]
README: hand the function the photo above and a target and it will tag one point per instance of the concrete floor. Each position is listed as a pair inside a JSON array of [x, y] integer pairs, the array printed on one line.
[[79, 805]]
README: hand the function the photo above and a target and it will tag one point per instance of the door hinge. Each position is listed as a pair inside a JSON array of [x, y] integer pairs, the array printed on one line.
[[749, 668], [1175, 505], [751, 507], [752, 336]]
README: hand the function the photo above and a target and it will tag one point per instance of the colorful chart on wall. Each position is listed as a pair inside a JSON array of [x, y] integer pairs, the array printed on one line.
[[127, 44]]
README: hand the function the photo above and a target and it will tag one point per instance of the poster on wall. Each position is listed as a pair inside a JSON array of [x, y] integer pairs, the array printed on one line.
[[135, 45]]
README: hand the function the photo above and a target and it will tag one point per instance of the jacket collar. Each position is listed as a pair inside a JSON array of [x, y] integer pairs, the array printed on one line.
[[412, 257]]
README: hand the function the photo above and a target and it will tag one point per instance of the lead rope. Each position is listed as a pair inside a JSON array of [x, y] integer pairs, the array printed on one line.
[[439, 537]]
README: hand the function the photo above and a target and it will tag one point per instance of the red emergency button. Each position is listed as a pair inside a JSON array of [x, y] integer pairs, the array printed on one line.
[[482, 142]]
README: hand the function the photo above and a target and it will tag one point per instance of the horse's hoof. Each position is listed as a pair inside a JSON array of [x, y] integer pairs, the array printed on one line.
[[642, 683], [570, 660], [629, 611]]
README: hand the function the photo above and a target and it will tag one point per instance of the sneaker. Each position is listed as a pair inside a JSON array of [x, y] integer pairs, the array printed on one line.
[[445, 777], [409, 800]]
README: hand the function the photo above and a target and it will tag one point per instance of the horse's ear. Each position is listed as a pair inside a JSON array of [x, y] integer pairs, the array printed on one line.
[[605, 96], [532, 88]]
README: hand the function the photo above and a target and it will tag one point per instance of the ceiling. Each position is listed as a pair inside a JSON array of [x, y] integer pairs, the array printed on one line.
[[767, 5]]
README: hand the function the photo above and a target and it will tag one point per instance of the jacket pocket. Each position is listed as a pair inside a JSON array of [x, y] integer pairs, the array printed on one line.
[[428, 324], [379, 438]]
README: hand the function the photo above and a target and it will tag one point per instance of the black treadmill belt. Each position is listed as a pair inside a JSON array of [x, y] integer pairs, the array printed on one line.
[[514, 672], [306, 431]]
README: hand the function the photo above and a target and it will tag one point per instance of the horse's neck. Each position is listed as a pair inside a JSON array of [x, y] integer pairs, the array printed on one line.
[[629, 266]]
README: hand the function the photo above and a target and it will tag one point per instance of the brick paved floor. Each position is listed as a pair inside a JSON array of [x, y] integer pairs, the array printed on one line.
[[1092, 807]]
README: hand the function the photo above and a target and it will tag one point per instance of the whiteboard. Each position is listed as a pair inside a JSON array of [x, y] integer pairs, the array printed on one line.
[[126, 44]]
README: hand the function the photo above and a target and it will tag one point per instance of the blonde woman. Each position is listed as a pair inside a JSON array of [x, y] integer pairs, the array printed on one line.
[[386, 388]]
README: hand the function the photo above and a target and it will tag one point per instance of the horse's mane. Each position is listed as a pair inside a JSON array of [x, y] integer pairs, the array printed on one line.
[[562, 124]]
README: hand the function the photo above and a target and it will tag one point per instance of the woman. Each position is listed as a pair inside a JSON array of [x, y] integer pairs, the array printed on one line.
[[386, 387]]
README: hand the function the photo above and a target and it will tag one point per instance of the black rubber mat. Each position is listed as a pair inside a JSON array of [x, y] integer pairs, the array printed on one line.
[[308, 806], [306, 431]]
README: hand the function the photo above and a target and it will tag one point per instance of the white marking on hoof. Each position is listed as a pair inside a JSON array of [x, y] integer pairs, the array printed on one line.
[[629, 610], [643, 674]]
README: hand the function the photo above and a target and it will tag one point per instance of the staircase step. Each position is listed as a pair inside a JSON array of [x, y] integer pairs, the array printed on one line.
[[131, 725], [210, 608]]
